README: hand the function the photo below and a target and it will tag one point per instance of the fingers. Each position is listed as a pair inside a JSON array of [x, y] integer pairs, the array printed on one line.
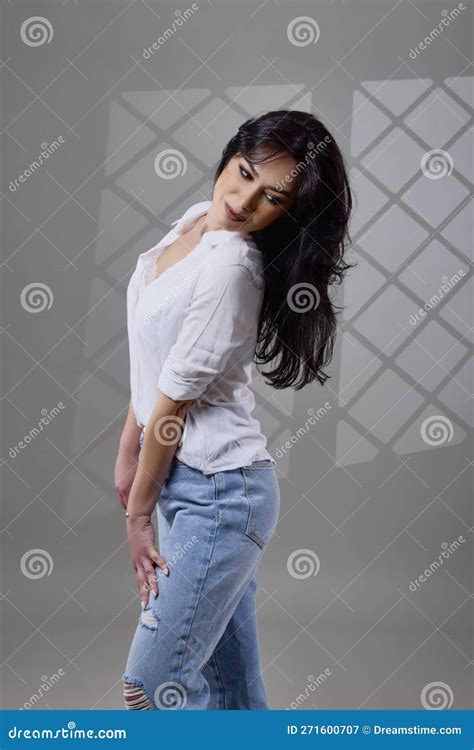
[[143, 586], [159, 560], [122, 497], [146, 577], [151, 582]]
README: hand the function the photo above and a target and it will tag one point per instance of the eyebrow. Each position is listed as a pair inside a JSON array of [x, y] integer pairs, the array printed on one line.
[[270, 187]]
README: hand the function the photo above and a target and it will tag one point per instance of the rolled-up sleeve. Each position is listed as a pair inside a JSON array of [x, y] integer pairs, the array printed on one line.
[[221, 316]]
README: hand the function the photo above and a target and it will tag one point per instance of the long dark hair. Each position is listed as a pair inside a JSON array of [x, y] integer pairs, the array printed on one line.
[[303, 249]]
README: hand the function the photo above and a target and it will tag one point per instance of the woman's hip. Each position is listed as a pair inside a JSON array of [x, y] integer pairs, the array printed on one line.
[[236, 507]]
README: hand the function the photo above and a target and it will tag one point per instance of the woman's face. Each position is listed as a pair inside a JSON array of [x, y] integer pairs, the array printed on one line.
[[249, 197]]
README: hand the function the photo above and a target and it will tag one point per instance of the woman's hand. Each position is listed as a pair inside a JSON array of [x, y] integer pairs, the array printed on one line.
[[141, 542], [125, 470]]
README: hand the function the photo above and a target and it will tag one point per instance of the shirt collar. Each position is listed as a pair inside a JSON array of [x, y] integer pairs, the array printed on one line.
[[198, 209], [211, 239]]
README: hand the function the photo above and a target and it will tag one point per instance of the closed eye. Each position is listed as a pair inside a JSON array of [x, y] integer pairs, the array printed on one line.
[[245, 174]]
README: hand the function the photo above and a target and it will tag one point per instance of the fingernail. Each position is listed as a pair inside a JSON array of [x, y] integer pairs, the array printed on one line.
[[155, 594], [143, 604], [167, 571]]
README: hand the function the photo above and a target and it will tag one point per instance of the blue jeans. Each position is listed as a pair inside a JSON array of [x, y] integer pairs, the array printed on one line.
[[196, 645]]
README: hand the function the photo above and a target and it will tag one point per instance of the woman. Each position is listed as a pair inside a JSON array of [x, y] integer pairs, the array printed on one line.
[[222, 286]]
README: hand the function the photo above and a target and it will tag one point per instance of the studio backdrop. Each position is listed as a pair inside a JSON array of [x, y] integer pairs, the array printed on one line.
[[114, 118]]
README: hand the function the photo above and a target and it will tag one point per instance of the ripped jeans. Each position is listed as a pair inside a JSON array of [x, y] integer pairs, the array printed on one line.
[[196, 645]]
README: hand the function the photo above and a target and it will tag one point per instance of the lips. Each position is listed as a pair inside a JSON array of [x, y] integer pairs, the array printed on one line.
[[231, 215]]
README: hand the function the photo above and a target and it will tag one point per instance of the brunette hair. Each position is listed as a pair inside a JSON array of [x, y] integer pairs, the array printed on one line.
[[303, 249]]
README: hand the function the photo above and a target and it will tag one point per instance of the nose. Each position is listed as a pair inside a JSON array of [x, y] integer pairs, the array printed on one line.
[[248, 201]]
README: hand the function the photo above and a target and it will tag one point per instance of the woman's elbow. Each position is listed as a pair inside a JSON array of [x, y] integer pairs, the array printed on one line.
[[171, 405]]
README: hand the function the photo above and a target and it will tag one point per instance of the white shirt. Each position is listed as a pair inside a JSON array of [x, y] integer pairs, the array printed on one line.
[[192, 334]]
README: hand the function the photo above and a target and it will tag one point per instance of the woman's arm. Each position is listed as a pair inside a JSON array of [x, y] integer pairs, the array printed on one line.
[[127, 457], [129, 440], [162, 434]]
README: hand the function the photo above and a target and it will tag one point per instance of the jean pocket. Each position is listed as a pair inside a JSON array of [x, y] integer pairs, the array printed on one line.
[[262, 493]]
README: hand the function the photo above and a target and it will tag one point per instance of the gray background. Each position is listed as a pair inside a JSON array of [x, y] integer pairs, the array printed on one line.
[[368, 496]]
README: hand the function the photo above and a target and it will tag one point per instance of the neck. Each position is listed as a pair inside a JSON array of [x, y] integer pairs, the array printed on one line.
[[207, 224]]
